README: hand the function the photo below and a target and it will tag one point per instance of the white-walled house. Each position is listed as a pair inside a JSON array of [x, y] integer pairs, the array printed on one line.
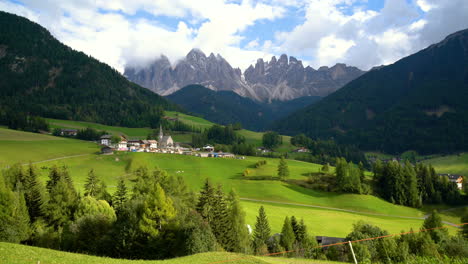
[[106, 140]]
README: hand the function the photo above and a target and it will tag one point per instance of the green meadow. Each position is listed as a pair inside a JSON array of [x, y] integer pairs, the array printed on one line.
[[23, 147], [455, 164], [260, 184], [21, 254]]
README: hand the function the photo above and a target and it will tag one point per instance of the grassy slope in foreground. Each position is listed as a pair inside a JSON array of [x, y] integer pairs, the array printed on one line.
[[20, 254], [18, 146]]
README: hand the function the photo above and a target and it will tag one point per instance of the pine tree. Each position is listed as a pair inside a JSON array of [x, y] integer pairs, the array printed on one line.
[[295, 225], [283, 170], [158, 210], [206, 201], [63, 198], [120, 196], [220, 219], [33, 194], [262, 230], [92, 184], [464, 220], [14, 218], [434, 222], [287, 235], [238, 233], [411, 185]]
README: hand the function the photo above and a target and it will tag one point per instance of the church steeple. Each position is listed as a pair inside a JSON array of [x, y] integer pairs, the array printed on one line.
[[161, 135]]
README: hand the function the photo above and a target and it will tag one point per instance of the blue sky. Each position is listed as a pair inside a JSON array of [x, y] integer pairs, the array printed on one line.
[[362, 33]]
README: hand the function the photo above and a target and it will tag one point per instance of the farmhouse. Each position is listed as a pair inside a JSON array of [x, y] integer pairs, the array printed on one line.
[[455, 178], [208, 148], [106, 140], [122, 146], [107, 150], [68, 132], [153, 144], [302, 150]]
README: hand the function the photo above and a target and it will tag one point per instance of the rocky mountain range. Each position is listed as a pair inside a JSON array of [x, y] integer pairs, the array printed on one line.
[[278, 79]]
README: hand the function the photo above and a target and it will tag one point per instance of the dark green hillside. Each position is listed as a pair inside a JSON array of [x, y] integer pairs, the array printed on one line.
[[419, 103], [227, 107], [41, 76]]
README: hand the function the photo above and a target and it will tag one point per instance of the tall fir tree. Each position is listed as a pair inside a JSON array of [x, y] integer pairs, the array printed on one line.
[[283, 170], [239, 240], [158, 210], [434, 223], [262, 230], [206, 200], [287, 235], [14, 217], [120, 196], [220, 221], [63, 198], [92, 184], [33, 194], [464, 220]]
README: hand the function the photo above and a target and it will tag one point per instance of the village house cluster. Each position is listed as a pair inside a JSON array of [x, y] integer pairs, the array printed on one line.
[[164, 144]]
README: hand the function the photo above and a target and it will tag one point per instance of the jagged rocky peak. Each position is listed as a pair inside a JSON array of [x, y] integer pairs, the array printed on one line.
[[284, 78], [283, 60]]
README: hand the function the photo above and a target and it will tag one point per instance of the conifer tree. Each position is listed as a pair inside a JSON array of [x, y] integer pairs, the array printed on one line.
[[283, 170], [158, 210], [411, 185], [287, 235], [295, 225], [464, 229], [14, 218], [220, 219], [434, 222], [239, 234], [63, 198], [33, 194], [206, 200], [120, 196], [262, 230], [92, 184]]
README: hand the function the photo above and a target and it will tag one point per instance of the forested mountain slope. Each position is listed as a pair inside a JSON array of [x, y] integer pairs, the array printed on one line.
[[41, 76], [419, 103], [227, 107]]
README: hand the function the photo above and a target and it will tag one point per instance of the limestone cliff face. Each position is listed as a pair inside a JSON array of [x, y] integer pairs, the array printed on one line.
[[279, 79]]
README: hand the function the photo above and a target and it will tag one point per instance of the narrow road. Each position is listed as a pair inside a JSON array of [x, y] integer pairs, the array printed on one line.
[[343, 210], [59, 158]]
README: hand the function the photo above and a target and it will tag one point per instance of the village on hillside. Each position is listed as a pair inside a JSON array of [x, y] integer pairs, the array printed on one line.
[[164, 144]]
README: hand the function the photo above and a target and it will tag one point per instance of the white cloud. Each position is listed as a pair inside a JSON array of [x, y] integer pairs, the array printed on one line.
[[342, 31], [332, 31], [109, 31]]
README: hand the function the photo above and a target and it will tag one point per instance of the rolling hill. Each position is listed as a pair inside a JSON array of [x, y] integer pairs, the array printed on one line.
[[21, 254], [227, 107], [43, 77], [417, 103]]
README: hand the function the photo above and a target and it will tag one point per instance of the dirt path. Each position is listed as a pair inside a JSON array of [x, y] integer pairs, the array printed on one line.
[[59, 158]]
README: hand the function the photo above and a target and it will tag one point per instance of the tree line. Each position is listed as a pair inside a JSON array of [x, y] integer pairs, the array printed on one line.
[[414, 186], [326, 151], [159, 217]]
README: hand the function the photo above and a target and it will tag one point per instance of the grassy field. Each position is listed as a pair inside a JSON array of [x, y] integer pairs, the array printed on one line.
[[20, 254], [250, 136], [190, 120], [195, 170], [18, 146], [455, 164], [260, 184]]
